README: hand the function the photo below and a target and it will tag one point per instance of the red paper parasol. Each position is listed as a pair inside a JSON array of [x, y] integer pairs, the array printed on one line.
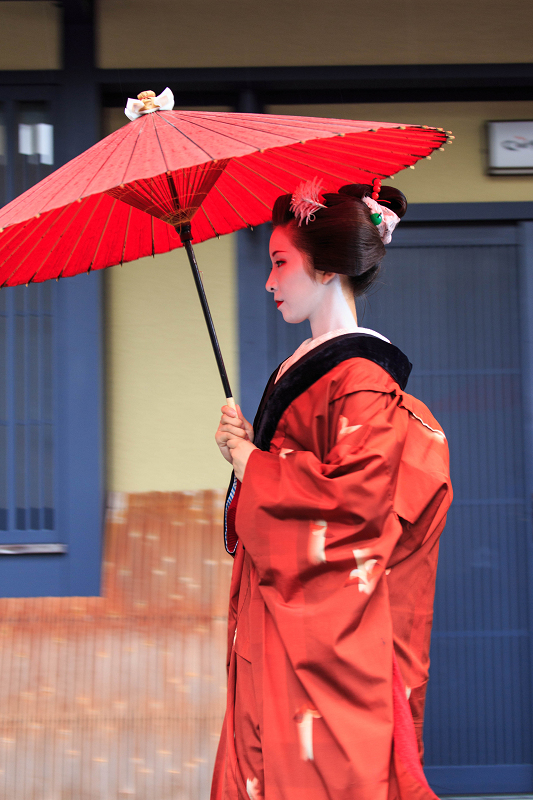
[[172, 177]]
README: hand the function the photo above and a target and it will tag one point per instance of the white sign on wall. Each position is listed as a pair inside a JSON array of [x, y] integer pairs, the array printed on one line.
[[510, 147]]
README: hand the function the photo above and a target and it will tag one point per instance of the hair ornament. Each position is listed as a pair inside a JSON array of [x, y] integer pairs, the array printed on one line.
[[305, 202], [383, 218], [376, 188]]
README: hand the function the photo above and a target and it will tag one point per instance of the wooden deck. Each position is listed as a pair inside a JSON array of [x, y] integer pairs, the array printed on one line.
[[122, 695]]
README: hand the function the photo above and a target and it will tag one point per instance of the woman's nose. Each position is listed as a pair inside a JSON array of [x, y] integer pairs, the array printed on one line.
[[270, 285]]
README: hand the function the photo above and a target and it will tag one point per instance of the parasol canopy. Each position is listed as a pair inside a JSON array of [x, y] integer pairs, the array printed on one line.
[[125, 197], [170, 178]]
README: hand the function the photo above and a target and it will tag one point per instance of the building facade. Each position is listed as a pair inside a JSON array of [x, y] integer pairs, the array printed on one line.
[[110, 384]]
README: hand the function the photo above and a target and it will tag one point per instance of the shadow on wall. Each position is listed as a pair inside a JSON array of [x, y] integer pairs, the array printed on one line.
[[122, 695]]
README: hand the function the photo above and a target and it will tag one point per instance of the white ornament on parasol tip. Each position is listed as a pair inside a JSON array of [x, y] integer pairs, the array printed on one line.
[[389, 219], [305, 202], [147, 102]]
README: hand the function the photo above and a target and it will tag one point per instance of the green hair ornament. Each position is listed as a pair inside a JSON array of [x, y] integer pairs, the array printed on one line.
[[383, 218]]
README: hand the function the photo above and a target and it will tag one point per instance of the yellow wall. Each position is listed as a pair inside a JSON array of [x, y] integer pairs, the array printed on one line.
[[456, 175], [162, 387], [30, 35], [210, 33]]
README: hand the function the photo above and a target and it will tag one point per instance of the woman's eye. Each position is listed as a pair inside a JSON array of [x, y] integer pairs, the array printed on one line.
[[279, 263]]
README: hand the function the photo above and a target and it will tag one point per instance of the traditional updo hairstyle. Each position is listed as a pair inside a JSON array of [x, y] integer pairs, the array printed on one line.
[[342, 238]]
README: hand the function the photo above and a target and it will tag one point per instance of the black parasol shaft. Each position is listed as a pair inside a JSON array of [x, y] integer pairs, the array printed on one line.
[[186, 238]]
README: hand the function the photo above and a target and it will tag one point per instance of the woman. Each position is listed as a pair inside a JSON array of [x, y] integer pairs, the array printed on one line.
[[340, 494]]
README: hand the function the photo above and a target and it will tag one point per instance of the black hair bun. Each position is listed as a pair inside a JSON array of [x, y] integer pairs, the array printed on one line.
[[389, 196]]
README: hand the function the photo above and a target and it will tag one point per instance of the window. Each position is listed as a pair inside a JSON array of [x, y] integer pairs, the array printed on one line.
[[26, 411], [51, 492], [35, 145], [26, 353]]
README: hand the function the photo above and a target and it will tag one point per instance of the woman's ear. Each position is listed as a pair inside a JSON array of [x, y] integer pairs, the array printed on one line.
[[324, 277]]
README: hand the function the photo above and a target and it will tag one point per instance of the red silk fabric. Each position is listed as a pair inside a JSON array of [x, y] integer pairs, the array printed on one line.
[[332, 596]]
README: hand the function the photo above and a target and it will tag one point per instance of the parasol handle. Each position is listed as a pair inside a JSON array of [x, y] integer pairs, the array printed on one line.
[[186, 238]]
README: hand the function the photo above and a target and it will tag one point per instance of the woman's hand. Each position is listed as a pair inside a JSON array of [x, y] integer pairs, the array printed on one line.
[[232, 426], [240, 452]]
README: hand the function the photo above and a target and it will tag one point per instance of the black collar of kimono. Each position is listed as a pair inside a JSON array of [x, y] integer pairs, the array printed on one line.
[[314, 365]]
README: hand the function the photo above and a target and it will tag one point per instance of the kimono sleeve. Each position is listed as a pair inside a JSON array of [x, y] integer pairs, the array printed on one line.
[[297, 512]]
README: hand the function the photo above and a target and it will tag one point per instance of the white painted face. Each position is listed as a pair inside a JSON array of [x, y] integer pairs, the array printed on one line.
[[297, 295]]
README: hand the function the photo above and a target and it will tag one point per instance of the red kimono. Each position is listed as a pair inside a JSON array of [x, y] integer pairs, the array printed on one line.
[[335, 534]]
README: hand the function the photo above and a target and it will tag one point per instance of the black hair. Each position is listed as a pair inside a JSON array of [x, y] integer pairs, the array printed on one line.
[[342, 238]]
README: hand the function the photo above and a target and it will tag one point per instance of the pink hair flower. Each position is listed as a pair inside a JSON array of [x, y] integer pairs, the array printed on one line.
[[305, 202]]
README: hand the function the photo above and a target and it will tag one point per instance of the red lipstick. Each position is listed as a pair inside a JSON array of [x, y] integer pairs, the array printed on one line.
[[279, 302]]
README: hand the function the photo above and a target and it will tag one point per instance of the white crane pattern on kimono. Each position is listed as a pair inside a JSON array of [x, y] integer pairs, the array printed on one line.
[[365, 567]]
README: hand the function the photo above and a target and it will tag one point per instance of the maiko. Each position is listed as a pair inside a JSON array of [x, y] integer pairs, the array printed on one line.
[[334, 513]]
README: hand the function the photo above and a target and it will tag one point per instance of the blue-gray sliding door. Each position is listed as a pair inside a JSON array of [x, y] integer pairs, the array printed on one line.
[[450, 299]]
